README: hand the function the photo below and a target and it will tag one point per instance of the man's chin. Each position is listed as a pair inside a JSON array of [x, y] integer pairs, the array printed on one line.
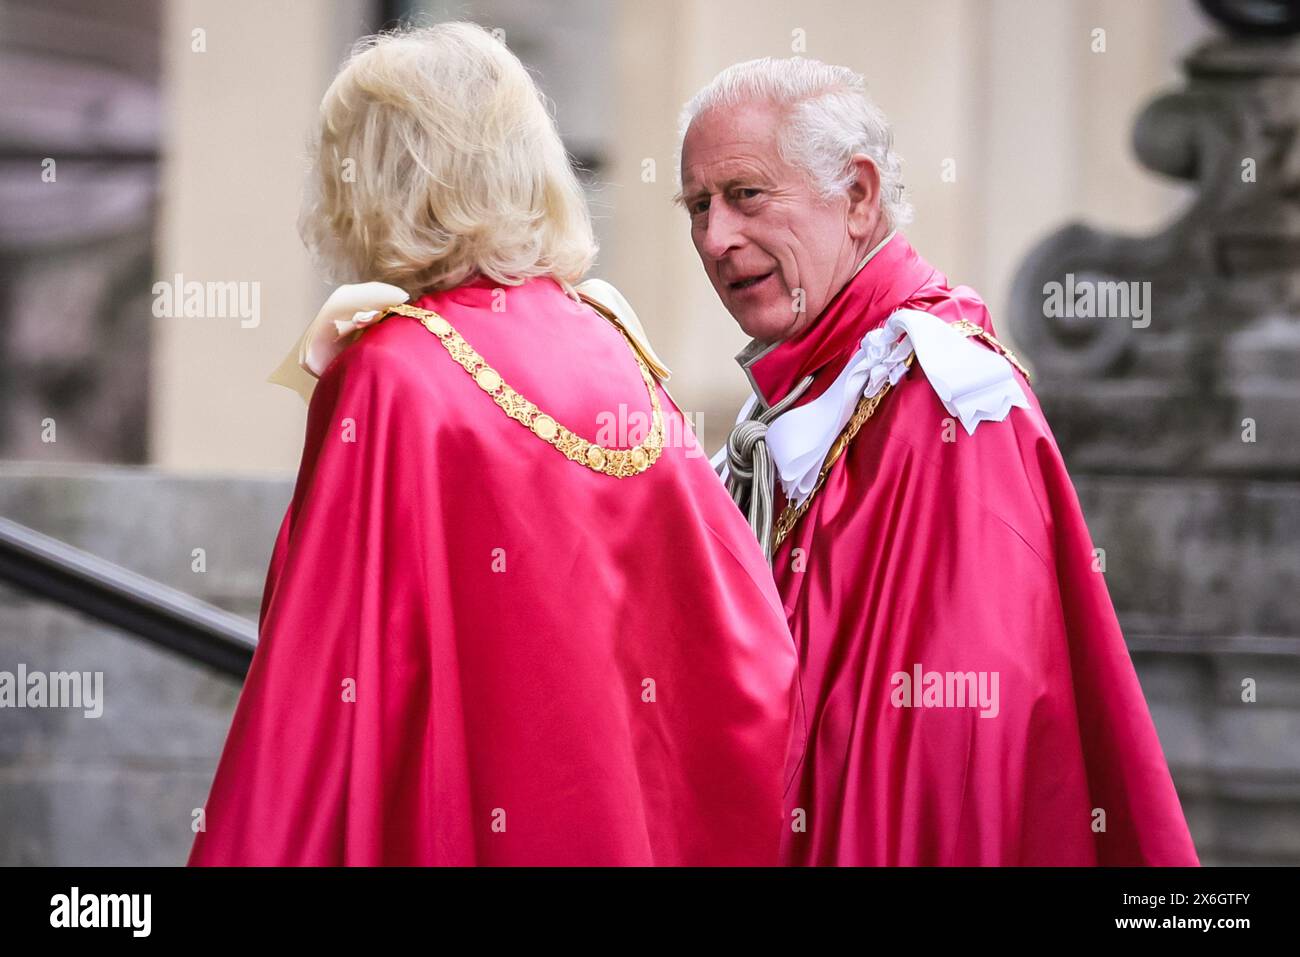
[[763, 325]]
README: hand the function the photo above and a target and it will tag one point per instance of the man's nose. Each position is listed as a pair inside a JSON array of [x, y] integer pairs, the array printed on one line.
[[721, 233]]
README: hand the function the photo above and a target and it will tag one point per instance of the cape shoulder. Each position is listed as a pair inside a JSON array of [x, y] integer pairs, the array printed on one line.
[[597, 293], [609, 302]]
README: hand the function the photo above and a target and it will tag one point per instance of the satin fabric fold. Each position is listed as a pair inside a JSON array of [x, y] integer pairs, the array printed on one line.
[[474, 651], [929, 548]]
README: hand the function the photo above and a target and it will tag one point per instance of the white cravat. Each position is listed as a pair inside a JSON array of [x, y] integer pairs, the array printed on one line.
[[975, 385]]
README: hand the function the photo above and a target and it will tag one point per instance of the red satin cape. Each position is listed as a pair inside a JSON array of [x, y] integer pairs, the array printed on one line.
[[503, 616], [966, 554]]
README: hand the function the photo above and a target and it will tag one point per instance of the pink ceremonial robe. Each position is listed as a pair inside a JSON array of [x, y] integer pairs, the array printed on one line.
[[923, 556], [475, 651]]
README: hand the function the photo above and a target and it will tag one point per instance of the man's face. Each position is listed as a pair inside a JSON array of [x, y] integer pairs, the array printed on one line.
[[761, 229]]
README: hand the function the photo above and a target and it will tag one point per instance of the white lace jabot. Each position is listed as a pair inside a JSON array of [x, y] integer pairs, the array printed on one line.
[[975, 385]]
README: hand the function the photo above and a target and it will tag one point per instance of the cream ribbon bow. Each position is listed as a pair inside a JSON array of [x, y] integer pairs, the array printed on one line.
[[348, 309], [975, 385]]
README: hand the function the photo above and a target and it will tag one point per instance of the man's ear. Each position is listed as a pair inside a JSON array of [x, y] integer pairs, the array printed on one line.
[[864, 197]]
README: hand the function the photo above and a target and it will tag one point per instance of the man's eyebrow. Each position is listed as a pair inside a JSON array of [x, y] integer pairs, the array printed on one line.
[[683, 198]]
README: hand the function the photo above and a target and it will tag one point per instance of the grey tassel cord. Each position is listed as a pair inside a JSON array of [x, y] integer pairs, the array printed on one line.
[[751, 477]]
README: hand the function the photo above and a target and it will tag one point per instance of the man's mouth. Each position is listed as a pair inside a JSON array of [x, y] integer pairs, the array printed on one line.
[[750, 283]]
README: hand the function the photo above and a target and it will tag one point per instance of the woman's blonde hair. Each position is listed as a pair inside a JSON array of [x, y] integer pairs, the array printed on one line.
[[435, 159]]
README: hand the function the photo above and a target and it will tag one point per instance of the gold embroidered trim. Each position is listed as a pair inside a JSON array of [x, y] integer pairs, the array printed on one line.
[[642, 348], [968, 329], [620, 463]]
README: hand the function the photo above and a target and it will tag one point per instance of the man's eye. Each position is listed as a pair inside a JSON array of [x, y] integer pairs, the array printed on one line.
[[699, 206], [747, 192]]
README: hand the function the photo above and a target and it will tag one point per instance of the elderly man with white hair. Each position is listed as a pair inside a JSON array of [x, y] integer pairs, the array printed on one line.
[[969, 696]]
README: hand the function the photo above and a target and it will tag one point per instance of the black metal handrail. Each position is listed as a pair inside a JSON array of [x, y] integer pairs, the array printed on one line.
[[58, 572]]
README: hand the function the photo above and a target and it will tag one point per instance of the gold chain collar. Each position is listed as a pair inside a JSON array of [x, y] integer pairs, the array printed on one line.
[[968, 329], [620, 463]]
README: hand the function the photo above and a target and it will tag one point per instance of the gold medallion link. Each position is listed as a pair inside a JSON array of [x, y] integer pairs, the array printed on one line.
[[620, 463]]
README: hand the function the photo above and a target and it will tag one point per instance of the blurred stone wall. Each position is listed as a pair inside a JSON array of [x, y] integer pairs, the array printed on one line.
[[1169, 368], [79, 140], [120, 789], [1204, 576]]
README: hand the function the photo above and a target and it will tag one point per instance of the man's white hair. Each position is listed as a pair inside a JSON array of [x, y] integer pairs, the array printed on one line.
[[829, 118]]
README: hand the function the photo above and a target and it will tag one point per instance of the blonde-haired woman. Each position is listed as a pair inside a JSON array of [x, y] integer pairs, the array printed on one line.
[[492, 632]]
